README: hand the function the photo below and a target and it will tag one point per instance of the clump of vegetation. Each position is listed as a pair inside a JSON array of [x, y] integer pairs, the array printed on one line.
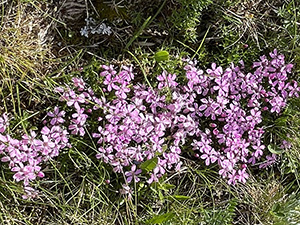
[[186, 17]]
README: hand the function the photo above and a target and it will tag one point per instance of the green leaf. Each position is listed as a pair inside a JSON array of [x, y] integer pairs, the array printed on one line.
[[275, 208], [161, 218], [281, 121], [274, 149], [161, 56], [178, 197], [150, 164], [160, 195], [137, 34], [34, 128], [280, 214], [166, 186]]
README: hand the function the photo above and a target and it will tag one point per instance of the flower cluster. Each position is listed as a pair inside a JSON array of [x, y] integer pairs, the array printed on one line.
[[233, 103], [218, 114], [92, 27], [26, 156], [129, 133]]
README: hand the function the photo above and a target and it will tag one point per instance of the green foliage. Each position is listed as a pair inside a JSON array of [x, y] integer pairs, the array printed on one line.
[[159, 219], [287, 211], [149, 165], [287, 126], [221, 216], [161, 56], [186, 17], [274, 149]]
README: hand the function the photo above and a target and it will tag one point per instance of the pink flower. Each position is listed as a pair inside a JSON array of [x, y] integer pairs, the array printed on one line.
[[79, 83], [133, 174], [75, 99], [242, 175], [57, 116]]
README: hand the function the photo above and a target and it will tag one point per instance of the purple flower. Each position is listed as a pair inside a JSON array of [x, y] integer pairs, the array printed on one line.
[[166, 80], [126, 74], [210, 156], [57, 116], [26, 173], [76, 128], [79, 83], [75, 99], [79, 117], [242, 175], [277, 104], [110, 82], [233, 177], [215, 71], [258, 150], [30, 193], [153, 178], [210, 108], [270, 159], [132, 174], [122, 90]]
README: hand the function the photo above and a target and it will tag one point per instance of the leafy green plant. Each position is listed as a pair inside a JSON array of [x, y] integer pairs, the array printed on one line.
[[287, 211], [220, 216], [186, 17]]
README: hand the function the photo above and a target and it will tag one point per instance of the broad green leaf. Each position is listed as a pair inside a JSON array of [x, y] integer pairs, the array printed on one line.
[[150, 164], [161, 218], [161, 56], [274, 149]]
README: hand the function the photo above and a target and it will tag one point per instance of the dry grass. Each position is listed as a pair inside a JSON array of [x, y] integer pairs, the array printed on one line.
[[25, 47], [253, 19], [26, 56]]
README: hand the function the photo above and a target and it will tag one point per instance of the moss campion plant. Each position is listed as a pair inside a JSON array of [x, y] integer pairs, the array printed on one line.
[[216, 115]]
